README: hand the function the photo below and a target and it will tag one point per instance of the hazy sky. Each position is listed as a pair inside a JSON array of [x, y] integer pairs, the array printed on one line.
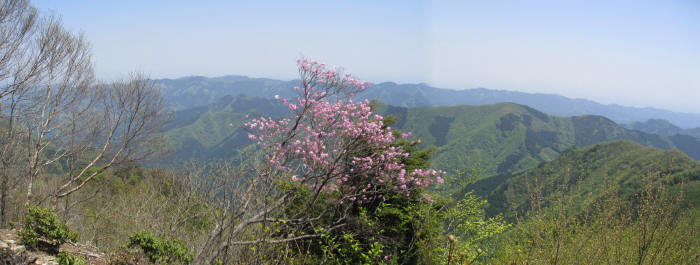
[[639, 53]]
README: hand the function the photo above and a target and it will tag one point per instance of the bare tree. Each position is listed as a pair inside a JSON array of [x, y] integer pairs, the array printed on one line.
[[105, 126], [19, 68], [53, 112], [11, 149], [17, 23], [164, 202], [248, 195], [124, 122], [63, 90]]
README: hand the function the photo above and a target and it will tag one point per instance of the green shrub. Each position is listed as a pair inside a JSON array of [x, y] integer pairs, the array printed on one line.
[[65, 258], [42, 223], [165, 251]]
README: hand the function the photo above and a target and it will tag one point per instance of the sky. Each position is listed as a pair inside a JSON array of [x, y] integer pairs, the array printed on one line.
[[635, 53]]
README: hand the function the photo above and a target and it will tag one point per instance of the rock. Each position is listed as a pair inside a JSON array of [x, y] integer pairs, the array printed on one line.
[[7, 257], [12, 252]]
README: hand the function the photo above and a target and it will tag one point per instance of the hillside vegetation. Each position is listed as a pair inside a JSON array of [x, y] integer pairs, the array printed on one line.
[[304, 173], [587, 173], [661, 126], [497, 138], [213, 132]]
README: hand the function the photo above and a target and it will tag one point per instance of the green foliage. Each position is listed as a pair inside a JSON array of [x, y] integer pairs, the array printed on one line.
[[345, 249], [396, 229], [65, 258], [41, 223], [467, 219], [585, 172], [652, 227], [468, 232], [165, 251], [402, 229]]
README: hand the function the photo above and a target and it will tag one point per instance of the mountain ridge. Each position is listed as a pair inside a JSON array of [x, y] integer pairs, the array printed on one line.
[[661, 126], [591, 168], [499, 138], [191, 91]]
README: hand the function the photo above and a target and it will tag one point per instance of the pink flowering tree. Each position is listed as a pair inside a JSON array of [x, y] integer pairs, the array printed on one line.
[[330, 140], [329, 159]]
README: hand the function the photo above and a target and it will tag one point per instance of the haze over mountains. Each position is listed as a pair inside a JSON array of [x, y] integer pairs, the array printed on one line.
[[98, 169], [188, 92], [515, 148], [497, 138]]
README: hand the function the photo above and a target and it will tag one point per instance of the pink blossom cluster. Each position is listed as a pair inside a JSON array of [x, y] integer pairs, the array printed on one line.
[[315, 76], [334, 144]]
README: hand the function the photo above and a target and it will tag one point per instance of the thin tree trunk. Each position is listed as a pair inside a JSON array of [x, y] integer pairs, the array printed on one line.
[[3, 198]]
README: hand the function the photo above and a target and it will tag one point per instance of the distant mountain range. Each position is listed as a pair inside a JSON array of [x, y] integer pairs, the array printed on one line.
[[497, 138], [521, 152], [188, 92], [507, 137], [661, 126]]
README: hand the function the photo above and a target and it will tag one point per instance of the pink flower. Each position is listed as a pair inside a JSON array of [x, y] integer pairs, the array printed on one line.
[[307, 144]]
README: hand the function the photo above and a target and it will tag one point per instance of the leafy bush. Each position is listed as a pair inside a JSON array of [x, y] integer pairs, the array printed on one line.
[[65, 258], [42, 223], [650, 227], [165, 251]]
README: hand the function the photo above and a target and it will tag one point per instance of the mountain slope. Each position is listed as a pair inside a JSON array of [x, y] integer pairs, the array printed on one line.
[[661, 126], [498, 138], [507, 137], [591, 170], [214, 131], [189, 92]]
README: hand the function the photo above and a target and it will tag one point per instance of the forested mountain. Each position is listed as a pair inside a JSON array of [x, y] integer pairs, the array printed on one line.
[[213, 132], [661, 126], [498, 138], [239, 170], [506, 137], [587, 172], [188, 92]]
